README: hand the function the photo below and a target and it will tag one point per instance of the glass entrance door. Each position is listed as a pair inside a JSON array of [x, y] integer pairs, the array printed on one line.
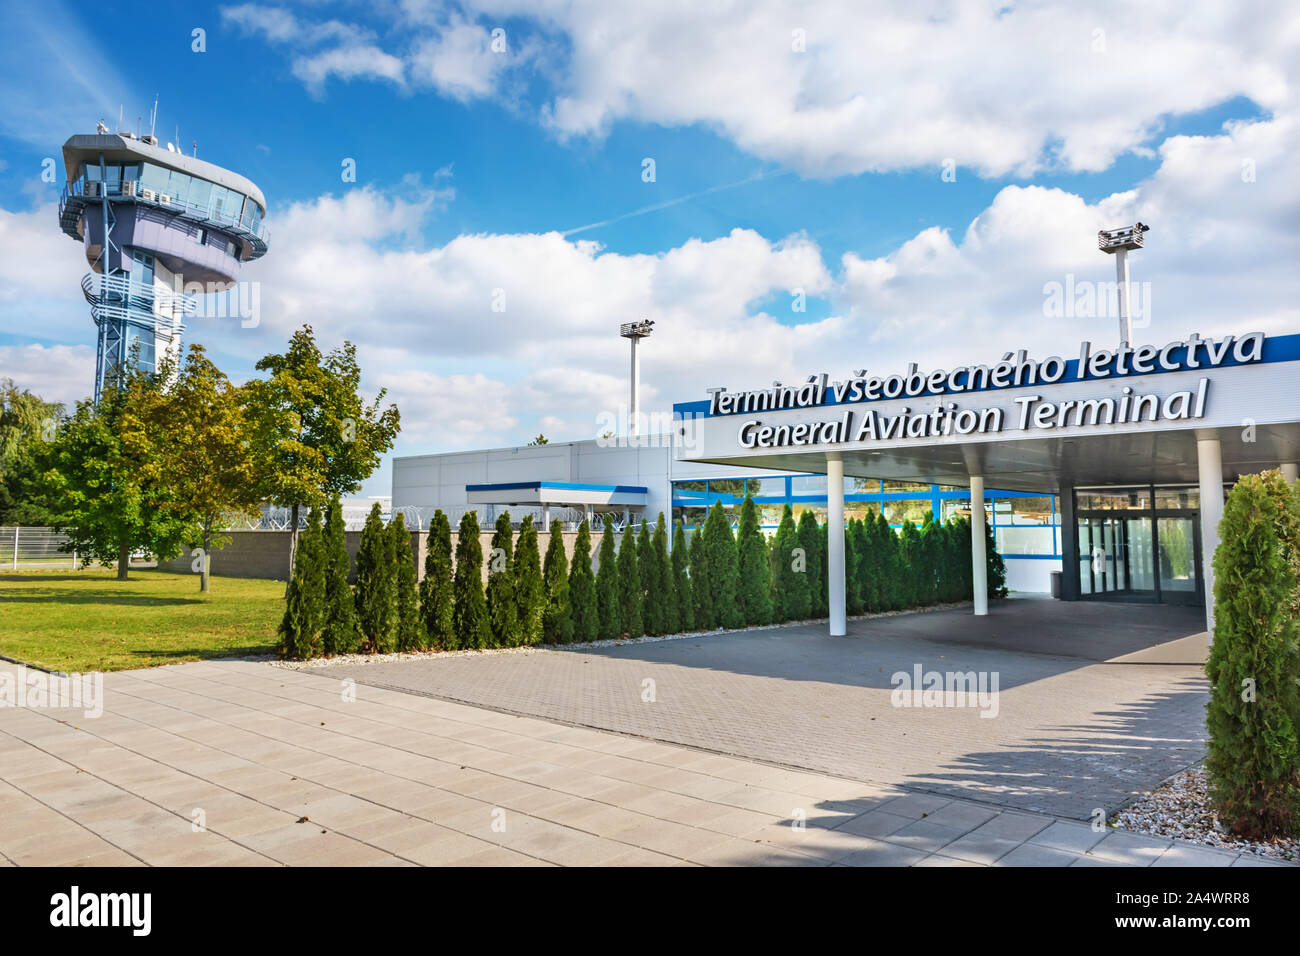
[[1178, 558], [1139, 543]]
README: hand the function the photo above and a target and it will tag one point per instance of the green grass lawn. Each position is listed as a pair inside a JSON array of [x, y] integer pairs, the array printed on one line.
[[90, 621]]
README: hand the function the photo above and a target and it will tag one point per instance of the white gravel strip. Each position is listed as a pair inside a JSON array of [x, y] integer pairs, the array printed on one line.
[[1180, 808], [348, 659]]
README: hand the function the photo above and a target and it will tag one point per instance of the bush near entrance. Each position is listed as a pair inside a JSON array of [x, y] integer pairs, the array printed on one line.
[[1253, 716]]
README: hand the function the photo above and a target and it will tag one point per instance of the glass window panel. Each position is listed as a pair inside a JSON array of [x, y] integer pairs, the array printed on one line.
[[1178, 497], [727, 486], [1025, 511], [864, 486], [808, 485], [770, 515], [800, 507], [1114, 499], [766, 487], [861, 509], [154, 177], [200, 194], [1012, 540], [1177, 558], [896, 512], [690, 516], [897, 486], [699, 487], [92, 172]]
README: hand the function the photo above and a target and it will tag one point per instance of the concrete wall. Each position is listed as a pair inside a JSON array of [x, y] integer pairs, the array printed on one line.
[[265, 554]]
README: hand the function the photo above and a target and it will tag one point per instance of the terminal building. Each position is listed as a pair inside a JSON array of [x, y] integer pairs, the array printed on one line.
[[158, 228], [1107, 465]]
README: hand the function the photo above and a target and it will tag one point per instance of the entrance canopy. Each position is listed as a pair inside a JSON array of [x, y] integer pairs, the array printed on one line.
[[558, 493], [1189, 411], [1098, 426]]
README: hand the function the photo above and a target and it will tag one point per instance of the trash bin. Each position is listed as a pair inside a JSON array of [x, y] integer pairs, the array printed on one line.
[[1056, 585]]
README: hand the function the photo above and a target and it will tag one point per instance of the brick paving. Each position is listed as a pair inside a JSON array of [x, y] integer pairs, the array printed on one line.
[[281, 769], [1098, 702]]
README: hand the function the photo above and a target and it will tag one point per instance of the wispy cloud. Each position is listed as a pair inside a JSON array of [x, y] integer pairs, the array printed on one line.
[[667, 203]]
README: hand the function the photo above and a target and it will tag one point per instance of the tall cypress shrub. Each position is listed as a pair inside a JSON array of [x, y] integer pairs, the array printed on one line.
[[630, 596], [893, 577], [724, 568], [409, 629], [469, 619], [997, 568], [376, 590], [755, 570], [701, 583], [652, 612], [931, 558], [810, 539], [503, 611], [793, 597], [583, 605], [339, 632], [682, 579], [852, 568], [1253, 759], [436, 603], [912, 563], [304, 606], [611, 614], [664, 589], [557, 624], [529, 595]]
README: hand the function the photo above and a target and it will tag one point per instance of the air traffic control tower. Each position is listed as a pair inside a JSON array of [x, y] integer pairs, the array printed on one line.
[[158, 227]]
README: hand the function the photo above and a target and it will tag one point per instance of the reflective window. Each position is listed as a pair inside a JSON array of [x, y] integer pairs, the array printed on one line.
[[1178, 497], [808, 485], [896, 512], [766, 487], [897, 486]]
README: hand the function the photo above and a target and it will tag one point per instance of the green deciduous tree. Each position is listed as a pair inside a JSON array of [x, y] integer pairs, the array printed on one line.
[[681, 562], [376, 589], [557, 622], [197, 438], [631, 598], [724, 568], [339, 632], [792, 596], [470, 616], [611, 612], [503, 609], [105, 493], [754, 567], [583, 609], [28, 424], [304, 607], [315, 436], [529, 595], [436, 601], [409, 629], [1253, 760]]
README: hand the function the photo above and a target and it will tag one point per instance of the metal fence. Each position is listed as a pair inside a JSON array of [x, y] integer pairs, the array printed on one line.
[[31, 547]]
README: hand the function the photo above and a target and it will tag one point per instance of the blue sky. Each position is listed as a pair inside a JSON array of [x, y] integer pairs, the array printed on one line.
[[775, 169]]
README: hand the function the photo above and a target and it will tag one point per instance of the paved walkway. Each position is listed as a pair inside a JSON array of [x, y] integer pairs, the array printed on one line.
[[280, 768], [1098, 702]]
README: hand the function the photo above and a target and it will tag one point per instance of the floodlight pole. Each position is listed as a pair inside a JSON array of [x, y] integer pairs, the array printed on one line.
[[635, 427], [1121, 281], [634, 331], [1117, 243]]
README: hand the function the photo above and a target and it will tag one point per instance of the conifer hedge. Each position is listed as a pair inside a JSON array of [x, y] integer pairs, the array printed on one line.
[[710, 579]]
